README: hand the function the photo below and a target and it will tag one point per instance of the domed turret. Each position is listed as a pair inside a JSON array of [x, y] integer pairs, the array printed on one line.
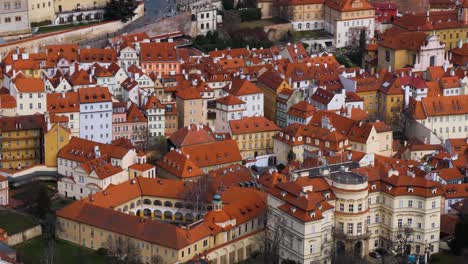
[[217, 203]]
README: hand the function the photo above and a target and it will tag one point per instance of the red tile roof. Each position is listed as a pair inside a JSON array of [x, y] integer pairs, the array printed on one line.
[[94, 95], [249, 125], [29, 85], [243, 87], [213, 153], [63, 102], [25, 122], [158, 51], [179, 165], [192, 135], [230, 100]]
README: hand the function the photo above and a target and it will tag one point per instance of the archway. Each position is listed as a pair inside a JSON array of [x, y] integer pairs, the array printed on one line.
[[178, 216], [147, 212], [157, 214], [157, 202], [358, 249], [168, 215]]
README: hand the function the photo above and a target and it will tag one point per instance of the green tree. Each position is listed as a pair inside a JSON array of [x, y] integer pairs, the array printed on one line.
[[43, 202], [122, 10], [228, 4], [461, 235]]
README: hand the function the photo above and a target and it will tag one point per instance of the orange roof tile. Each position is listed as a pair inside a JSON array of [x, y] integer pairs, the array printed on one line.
[[249, 125], [29, 85], [213, 153]]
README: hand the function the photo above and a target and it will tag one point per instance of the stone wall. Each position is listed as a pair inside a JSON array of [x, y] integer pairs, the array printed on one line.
[[277, 31], [15, 239], [180, 22], [34, 44]]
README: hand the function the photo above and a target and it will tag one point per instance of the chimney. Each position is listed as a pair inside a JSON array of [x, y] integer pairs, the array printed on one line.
[[97, 152], [445, 66], [63, 94]]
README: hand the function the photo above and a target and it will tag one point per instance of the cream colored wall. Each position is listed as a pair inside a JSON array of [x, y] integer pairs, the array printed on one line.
[[41, 10], [69, 5], [4, 193]]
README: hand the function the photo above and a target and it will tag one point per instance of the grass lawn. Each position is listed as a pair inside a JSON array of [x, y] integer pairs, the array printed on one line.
[[446, 258], [310, 34], [31, 252], [261, 23], [13, 222], [49, 29]]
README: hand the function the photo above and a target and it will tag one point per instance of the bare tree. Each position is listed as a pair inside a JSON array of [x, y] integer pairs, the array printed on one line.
[[142, 134], [283, 9], [402, 245], [123, 250], [196, 193], [269, 243], [156, 259]]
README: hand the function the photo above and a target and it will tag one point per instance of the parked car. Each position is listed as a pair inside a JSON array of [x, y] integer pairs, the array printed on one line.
[[375, 254], [382, 251]]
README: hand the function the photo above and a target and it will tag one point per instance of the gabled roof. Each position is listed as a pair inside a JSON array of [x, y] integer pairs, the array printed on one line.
[[229, 100], [82, 150], [192, 135], [243, 87], [179, 165]]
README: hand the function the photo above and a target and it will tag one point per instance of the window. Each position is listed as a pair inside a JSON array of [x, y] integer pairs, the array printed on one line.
[[359, 228], [351, 208], [410, 203], [377, 218], [387, 56], [420, 204], [410, 222], [359, 207], [341, 226], [433, 204], [400, 222], [311, 249], [350, 228], [368, 219]]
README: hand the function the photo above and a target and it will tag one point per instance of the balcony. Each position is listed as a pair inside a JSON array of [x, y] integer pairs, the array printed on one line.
[[341, 235]]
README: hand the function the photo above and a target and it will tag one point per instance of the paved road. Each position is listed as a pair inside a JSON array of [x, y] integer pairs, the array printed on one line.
[[154, 10]]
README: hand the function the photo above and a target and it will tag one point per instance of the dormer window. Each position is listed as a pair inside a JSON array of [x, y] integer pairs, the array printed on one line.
[[312, 214], [308, 139], [317, 142], [410, 189], [283, 194], [434, 190], [299, 139], [389, 187], [373, 187], [293, 209]]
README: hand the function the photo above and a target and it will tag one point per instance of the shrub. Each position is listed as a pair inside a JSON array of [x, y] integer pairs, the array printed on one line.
[[250, 14], [102, 251]]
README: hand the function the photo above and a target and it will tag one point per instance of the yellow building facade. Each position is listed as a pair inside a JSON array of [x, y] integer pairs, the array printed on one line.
[[54, 140], [21, 141]]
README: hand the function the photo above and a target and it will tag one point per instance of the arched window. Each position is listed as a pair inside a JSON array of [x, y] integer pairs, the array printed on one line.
[[188, 206], [125, 209], [307, 25], [157, 202], [132, 205], [179, 205], [146, 201], [202, 26], [167, 204], [299, 26]]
